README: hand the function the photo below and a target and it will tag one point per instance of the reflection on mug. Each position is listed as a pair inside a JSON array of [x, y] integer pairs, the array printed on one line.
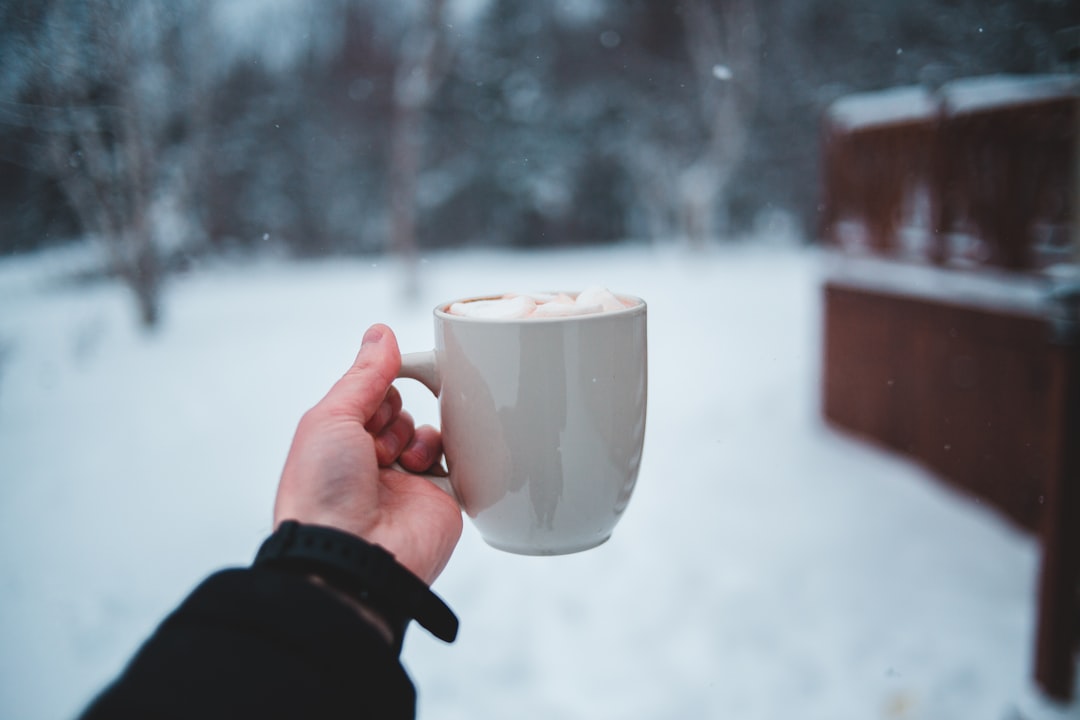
[[540, 396]]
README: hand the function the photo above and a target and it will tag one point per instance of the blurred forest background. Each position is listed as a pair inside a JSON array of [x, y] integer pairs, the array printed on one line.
[[169, 133]]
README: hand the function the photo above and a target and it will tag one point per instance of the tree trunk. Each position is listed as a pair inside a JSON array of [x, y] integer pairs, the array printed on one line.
[[423, 65]]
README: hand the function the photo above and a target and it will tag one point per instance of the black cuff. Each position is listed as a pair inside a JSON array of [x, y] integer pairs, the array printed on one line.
[[361, 570]]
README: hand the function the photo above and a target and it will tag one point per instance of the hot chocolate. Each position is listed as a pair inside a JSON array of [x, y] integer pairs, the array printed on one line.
[[513, 306]]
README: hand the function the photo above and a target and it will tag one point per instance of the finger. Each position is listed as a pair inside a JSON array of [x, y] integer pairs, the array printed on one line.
[[362, 389], [388, 410], [395, 438], [423, 452]]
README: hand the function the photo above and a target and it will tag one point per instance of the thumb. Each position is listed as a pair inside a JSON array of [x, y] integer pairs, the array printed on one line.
[[362, 389]]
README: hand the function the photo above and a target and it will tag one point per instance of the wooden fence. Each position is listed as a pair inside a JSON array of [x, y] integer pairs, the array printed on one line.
[[972, 365]]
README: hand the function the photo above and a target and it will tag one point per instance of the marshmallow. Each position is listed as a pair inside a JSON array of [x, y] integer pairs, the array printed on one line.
[[599, 296]]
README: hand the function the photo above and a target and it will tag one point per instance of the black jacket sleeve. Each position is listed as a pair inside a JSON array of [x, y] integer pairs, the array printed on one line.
[[261, 643]]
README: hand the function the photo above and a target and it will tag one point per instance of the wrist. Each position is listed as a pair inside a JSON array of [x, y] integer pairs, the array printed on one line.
[[363, 572]]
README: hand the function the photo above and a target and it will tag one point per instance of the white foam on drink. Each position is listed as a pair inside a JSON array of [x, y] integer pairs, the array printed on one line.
[[497, 309], [514, 306]]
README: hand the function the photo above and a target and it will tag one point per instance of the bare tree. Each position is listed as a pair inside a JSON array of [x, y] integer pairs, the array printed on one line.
[[105, 80], [424, 62], [722, 43], [681, 174]]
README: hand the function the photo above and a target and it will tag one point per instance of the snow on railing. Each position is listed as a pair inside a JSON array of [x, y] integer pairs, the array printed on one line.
[[883, 107], [1001, 91]]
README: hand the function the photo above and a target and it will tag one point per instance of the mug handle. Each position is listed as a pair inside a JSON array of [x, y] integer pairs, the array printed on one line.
[[421, 366]]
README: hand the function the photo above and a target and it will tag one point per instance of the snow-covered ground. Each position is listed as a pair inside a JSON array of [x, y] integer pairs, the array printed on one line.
[[767, 567]]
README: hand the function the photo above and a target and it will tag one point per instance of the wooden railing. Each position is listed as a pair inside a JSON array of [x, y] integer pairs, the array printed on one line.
[[952, 329], [980, 173]]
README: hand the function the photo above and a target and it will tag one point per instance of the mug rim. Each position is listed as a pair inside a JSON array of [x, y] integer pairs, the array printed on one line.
[[442, 310]]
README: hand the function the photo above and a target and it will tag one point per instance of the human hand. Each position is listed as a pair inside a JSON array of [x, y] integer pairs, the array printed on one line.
[[337, 472]]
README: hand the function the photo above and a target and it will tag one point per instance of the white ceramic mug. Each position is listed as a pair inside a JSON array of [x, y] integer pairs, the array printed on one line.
[[543, 421]]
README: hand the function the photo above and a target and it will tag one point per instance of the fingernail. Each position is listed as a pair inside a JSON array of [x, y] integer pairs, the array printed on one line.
[[373, 335]]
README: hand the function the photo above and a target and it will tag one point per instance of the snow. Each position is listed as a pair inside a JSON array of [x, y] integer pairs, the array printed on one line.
[[997, 91], [883, 107], [767, 566], [986, 287], [897, 105], [722, 72]]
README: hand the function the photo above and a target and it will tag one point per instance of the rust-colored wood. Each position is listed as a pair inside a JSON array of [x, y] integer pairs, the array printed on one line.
[[1003, 169], [966, 391], [996, 171], [1058, 629], [871, 172], [986, 400]]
